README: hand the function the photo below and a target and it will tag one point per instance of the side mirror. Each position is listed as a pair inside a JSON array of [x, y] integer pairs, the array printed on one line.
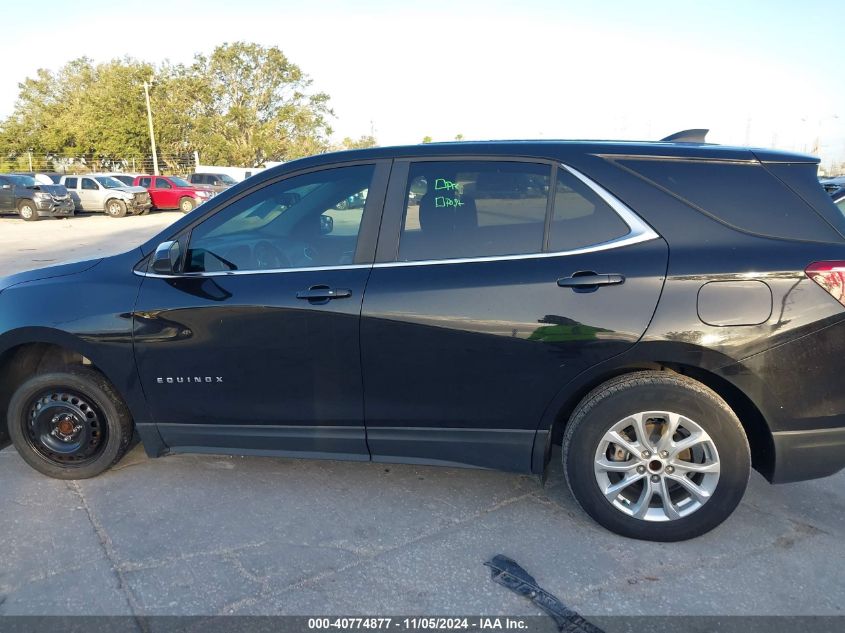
[[326, 224], [166, 258]]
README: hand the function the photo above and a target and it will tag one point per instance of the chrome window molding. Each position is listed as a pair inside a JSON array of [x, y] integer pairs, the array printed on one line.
[[639, 232]]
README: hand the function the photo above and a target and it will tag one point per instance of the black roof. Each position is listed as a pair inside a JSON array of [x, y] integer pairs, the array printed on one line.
[[558, 150]]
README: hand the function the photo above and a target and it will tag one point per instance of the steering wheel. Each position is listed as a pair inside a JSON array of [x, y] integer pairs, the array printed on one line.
[[268, 257]]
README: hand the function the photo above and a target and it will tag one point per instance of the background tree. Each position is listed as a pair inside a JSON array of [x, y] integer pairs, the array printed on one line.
[[242, 105]]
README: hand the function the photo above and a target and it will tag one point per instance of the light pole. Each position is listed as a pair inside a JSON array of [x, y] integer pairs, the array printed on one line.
[[150, 122]]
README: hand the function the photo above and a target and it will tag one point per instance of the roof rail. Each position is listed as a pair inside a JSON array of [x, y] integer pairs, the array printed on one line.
[[687, 136]]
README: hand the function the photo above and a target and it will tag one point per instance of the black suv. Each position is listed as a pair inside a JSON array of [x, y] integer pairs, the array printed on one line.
[[31, 200], [671, 313]]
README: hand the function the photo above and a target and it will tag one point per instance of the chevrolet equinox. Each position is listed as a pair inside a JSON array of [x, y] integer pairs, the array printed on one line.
[[670, 313]]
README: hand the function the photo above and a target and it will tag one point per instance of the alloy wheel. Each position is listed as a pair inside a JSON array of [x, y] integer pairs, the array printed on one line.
[[657, 466]]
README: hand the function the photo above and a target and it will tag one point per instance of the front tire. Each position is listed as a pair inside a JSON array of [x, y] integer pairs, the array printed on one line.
[[656, 456], [116, 208], [186, 204], [70, 424], [27, 210]]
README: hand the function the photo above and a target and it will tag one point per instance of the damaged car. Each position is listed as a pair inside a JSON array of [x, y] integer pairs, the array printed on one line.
[[32, 200]]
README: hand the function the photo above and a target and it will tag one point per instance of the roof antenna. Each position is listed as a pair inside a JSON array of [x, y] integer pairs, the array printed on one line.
[[687, 136]]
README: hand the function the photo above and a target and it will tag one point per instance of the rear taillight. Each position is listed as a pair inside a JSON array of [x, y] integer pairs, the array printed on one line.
[[830, 276]]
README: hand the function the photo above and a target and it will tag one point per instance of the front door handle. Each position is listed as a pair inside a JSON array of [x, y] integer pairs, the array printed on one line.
[[323, 293], [589, 279]]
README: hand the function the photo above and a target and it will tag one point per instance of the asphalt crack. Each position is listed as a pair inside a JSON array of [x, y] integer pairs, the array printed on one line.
[[108, 550]]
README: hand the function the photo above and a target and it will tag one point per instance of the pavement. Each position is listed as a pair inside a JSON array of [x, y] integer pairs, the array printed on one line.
[[207, 535]]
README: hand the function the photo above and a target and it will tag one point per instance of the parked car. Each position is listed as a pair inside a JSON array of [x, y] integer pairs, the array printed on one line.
[[43, 177], [215, 182], [832, 184], [479, 327], [32, 200], [99, 192], [127, 179], [838, 197], [172, 192]]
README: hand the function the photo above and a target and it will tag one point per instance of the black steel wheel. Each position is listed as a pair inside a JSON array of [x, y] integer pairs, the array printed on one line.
[[69, 425]]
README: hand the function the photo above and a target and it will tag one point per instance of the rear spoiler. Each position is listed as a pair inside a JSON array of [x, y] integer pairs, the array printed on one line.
[[687, 136]]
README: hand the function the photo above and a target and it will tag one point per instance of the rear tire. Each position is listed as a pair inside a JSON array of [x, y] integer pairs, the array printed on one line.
[[116, 208], [186, 204], [622, 452], [70, 424], [27, 211]]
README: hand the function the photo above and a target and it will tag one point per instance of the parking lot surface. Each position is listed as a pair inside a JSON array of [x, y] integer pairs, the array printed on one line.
[[210, 535]]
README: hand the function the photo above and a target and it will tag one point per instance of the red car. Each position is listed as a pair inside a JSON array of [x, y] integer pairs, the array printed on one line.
[[172, 192]]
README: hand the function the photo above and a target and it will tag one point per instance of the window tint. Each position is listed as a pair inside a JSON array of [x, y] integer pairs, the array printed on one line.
[[87, 183], [308, 220], [161, 183], [145, 182], [474, 209], [743, 195], [581, 218], [70, 183]]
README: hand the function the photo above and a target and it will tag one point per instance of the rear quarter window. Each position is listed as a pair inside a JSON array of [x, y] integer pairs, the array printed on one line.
[[743, 195]]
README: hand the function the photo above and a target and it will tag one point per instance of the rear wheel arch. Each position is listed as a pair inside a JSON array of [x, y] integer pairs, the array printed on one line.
[[753, 422]]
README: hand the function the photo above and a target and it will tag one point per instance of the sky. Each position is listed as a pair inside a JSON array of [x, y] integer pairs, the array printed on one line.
[[764, 73]]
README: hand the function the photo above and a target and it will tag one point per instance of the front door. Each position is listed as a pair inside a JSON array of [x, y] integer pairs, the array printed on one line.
[[254, 347], [165, 198], [90, 196], [496, 283]]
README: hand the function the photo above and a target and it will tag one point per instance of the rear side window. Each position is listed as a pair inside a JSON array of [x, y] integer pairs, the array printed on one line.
[[458, 209], [70, 183], [743, 195], [581, 218]]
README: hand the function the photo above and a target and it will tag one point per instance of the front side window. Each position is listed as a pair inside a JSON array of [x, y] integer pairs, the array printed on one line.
[[161, 183], [581, 217], [460, 209], [87, 183], [298, 222]]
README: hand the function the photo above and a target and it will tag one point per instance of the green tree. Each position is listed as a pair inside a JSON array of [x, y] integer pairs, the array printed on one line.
[[362, 142], [426, 139], [259, 107]]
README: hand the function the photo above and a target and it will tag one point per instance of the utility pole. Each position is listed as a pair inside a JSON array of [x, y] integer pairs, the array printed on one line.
[[150, 122]]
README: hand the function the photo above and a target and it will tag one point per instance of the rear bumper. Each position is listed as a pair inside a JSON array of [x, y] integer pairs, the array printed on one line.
[[811, 454]]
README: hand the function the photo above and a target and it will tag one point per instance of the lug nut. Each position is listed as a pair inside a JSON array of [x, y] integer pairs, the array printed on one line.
[[664, 454], [641, 469], [670, 469], [646, 454], [655, 479]]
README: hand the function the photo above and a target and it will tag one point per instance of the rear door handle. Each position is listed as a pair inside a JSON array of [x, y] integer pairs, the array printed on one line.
[[323, 293], [590, 280]]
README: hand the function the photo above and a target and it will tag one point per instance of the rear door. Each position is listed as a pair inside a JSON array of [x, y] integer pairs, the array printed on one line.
[[7, 195], [496, 282]]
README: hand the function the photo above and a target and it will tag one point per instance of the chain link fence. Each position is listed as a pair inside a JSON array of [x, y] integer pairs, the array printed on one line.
[[171, 165]]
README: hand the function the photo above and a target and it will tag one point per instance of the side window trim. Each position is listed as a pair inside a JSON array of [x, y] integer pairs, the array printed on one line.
[[394, 209]]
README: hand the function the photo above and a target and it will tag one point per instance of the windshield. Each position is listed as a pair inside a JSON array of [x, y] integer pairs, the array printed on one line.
[[179, 182], [26, 181], [227, 179], [108, 182]]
